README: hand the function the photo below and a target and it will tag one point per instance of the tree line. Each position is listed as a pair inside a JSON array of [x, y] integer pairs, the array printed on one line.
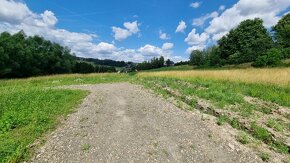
[[156, 62], [106, 62], [248, 42], [23, 56]]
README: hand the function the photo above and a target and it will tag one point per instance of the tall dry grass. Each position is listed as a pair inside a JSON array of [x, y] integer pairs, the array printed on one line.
[[277, 76]]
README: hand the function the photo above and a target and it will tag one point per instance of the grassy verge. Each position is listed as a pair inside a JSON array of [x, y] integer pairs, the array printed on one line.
[[228, 100], [58, 80], [30, 108]]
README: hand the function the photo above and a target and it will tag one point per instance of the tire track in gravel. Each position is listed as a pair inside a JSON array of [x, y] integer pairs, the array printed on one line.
[[122, 122]]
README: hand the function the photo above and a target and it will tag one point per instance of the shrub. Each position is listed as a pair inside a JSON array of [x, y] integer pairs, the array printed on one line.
[[197, 58], [272, 57], [286, 53]]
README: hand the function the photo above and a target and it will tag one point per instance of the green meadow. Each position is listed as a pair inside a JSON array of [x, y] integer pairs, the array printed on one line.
[[32, 108]]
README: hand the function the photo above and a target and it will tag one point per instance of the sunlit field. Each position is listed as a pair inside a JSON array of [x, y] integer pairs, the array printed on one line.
[[30, 107], [277, 76], [254, 101]]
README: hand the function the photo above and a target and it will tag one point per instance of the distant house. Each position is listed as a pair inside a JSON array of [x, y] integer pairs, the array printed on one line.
[[169, 63]]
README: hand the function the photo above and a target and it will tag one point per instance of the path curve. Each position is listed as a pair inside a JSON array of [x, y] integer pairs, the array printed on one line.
[[124, 123]]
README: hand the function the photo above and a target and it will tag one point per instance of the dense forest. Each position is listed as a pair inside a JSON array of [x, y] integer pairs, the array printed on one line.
[[22, 56], [249, 42]]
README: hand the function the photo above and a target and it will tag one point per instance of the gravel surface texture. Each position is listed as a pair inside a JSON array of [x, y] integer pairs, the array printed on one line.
[[125, 123]]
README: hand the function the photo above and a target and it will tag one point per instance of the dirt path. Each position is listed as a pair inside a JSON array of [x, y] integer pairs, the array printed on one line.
[[123, 123]]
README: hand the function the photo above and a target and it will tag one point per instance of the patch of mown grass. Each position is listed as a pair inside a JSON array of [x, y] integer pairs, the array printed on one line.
[[71, 79], [243, 138], [272, 93], [236, 124], [276, 124], [208, 90], [221, 120], [261, 133], [28, 113], [246, 110], [264, 156], [280, 147]]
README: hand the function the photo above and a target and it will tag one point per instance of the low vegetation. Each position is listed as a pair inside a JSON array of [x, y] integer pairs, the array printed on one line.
[[255, 104], [32, 107], [250, 100], [171, 68], [86, 147]]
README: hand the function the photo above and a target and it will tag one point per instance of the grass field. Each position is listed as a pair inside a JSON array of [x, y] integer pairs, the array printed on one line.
[[174, 68], [255, 101], [280, 76], [31, 108]]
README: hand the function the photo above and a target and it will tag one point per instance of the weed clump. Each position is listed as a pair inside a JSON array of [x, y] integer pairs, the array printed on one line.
[[264, 156], [261, 133], [243, 138]]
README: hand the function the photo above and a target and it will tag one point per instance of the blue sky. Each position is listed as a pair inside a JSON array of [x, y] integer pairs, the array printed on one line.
[[135, 30]]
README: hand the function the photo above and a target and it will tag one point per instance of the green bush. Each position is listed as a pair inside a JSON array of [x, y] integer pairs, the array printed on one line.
[[286, 53], [272, 58]]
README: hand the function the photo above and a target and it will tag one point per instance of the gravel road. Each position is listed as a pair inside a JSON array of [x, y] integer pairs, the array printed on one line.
[[125, 123]]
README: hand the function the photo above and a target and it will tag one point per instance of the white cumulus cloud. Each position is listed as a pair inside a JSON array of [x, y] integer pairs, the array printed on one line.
[[13, 12], [123, 33], [16, 16], [200, 21], [222, 8], [163, 36], [149, 51], [120, 33], [181, 27], [196, 41], [268, 10], [49, 18], [195, 4], [132, 26], [194, 38], [167, 46]]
